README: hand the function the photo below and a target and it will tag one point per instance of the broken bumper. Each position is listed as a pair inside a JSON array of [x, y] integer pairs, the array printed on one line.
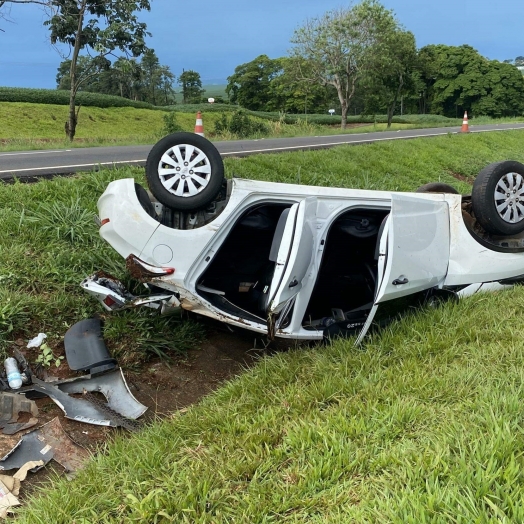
[[113, 295]]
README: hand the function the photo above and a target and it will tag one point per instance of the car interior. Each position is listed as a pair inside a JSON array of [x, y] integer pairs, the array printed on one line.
[[347, 277], [237, 280]]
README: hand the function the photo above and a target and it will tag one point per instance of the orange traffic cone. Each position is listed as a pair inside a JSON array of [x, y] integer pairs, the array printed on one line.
[[199, 126], [465, 126]]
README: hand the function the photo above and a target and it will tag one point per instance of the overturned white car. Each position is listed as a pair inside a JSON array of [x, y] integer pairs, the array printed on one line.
[[303, 262]]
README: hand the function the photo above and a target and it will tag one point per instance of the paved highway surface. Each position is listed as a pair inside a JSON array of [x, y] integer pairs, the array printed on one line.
[[50, 162]]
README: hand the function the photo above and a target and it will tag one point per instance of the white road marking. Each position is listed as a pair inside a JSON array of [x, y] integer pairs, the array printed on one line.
[[36, 152], [365, 140], [73, 165], [243, 152]]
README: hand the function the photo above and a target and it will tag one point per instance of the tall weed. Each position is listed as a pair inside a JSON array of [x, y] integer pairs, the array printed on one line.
[[63, 221]]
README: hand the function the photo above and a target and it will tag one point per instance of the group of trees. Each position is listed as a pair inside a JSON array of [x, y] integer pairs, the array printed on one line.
[[450, 80], [359, 59], [143, 79]]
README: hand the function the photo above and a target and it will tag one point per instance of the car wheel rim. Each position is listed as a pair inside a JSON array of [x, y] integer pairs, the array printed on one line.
[[509, 198], [184, 170]]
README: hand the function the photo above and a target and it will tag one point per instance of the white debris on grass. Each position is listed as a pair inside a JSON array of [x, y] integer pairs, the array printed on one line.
[[37, 341]]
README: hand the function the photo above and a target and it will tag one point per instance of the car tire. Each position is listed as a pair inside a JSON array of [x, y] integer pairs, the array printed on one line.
[[184, 171], [437, 187], [498, 198]]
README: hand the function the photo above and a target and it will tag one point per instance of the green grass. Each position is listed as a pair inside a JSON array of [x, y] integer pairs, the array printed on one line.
[[48, 244], [59, 96], [211, 91], [423, 424]]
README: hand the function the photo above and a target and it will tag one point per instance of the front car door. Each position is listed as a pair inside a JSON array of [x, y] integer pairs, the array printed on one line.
[[414, 250]]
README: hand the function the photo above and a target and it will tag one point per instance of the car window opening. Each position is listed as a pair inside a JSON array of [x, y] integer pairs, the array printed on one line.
[[347, 277], [238, 278]]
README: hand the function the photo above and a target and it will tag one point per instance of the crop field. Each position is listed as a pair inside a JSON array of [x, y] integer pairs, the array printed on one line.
[[421, 424]]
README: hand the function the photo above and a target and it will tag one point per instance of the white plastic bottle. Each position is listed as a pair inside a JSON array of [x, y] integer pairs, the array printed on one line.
[[13, 374]]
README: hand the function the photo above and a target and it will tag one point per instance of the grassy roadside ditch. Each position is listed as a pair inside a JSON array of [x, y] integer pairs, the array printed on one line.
[[422, 424]]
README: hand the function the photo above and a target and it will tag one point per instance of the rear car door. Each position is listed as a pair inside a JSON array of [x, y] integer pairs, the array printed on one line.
[[295, 256]]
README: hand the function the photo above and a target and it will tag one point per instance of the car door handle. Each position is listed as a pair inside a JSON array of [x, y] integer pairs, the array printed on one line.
[[400, 281], [293, 283]]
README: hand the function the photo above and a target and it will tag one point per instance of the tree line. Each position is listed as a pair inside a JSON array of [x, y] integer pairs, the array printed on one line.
[[361, 60], [142, 79], [357, 60]]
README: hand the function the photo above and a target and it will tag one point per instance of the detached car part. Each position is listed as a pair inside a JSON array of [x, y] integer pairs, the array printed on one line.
[[113, 386], [85, 348], [46, 443], [78, 409], [11, 404]]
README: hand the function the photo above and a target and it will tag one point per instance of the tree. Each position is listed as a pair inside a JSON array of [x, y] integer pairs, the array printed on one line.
[[289, 93], [165, 81], [337, 47], [99, 27], [502, 91], [388, 76], [249, 85], [150, 65], [127, 73], [191, 87]]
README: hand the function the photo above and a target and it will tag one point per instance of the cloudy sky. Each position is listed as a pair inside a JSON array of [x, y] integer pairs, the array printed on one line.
[[213, 37]]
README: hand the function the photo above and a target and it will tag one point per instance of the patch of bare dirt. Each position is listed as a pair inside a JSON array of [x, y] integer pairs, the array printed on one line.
[[460, 177]]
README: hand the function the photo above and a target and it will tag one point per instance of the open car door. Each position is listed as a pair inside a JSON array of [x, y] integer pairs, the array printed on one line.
[[293, 261], [413, 250]]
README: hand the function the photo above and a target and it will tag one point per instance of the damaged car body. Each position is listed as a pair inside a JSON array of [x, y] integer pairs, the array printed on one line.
[[302, 262]]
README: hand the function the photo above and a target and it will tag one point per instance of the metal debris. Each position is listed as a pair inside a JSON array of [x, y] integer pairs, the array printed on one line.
[[11, 404], [43, 444]]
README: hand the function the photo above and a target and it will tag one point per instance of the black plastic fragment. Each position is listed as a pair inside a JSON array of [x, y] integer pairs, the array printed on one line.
[[85, 348]]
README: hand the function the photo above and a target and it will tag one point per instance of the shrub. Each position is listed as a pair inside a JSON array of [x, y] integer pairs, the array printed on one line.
[[241, 125], [171, 124]]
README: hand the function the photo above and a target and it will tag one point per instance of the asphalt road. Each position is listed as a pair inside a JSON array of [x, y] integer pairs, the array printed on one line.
[[29, 164]]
